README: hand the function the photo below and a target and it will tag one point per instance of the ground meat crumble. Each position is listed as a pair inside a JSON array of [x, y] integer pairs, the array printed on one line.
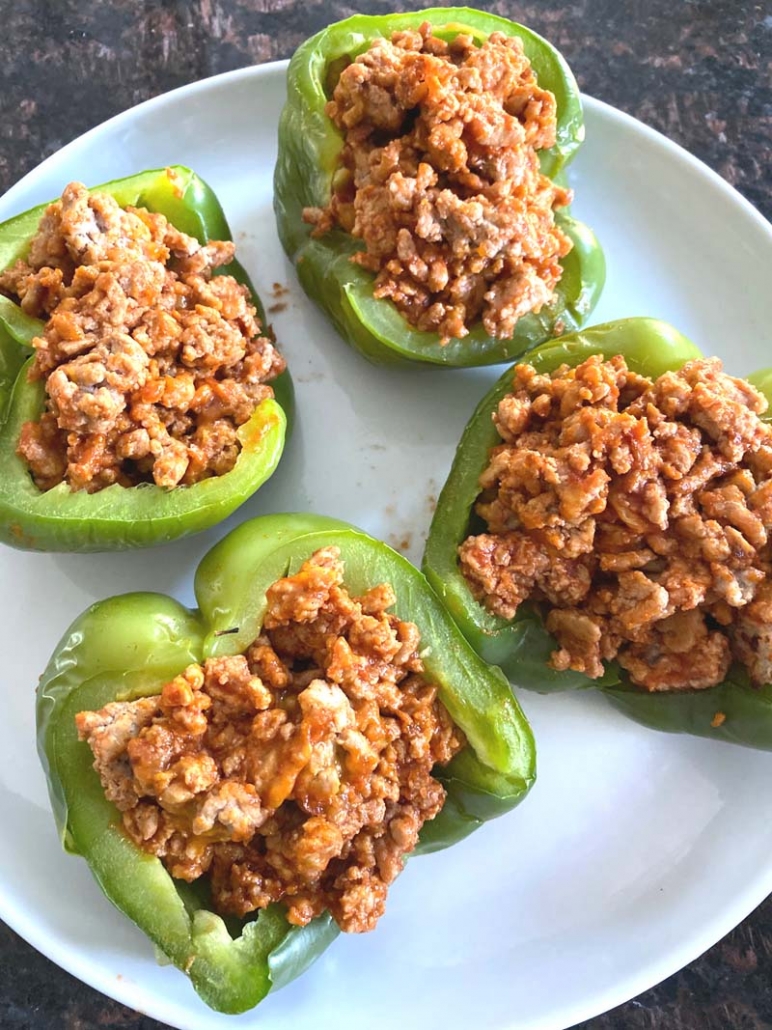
[[440, 178], [299, 772], [636, 514], [150, 362]]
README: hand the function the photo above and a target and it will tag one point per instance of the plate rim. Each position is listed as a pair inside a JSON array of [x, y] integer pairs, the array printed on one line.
[[714, 926]]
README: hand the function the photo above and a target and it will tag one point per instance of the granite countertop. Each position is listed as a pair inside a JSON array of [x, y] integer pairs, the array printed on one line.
[[697, 70]]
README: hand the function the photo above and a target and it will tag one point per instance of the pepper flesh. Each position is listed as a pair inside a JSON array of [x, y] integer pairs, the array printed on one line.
[[309, 147], [117, 517], [522, 646], [129, 646]]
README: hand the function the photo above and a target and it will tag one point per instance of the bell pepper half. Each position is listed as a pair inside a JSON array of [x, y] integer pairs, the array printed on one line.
[[309, 148], [118, 517], [522, 646], [129, 646]]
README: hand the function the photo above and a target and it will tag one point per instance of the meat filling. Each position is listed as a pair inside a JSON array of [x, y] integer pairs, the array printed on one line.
[[150, 361], [636, 514], [440, 179], [299, 772]]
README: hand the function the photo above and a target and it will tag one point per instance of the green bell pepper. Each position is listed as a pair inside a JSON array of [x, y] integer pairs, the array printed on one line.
[[129, 646], [118, 517], [309, 148], [522, 646]]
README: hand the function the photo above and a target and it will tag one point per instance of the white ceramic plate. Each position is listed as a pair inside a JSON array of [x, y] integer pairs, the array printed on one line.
[[636, 850]]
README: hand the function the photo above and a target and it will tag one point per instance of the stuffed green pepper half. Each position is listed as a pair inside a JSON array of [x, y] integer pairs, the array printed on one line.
[[419, 189], [606, 522], [141, 395], [247, 778]]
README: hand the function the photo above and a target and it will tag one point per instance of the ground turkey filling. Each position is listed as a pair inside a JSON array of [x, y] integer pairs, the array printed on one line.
[[300, 772], [636, 513], [150, 362], [440, 178]]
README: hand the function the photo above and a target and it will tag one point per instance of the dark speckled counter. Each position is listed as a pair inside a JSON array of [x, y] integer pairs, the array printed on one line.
[[700, 71]]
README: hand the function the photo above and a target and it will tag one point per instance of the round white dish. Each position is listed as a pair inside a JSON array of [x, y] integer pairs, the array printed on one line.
[[636, 850]]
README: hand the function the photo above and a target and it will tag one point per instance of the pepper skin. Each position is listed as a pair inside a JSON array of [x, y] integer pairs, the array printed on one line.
[[129, 646], [117, 517], [309, 145], [522, 646]]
